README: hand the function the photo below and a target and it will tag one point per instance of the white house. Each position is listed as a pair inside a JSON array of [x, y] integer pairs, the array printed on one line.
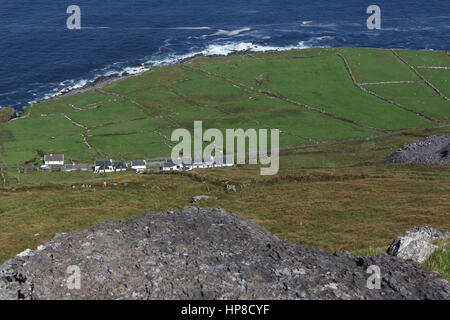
[[224, 163], [186, 164], [208, 163], [109, 166], [169, 165], [227, 162], [199, 165], [75, 167], [54, 159], [139, 166]]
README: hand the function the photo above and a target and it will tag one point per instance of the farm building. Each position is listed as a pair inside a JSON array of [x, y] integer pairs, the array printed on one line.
[[76, 167], [53, 159], [199, 165], [204, 164], [224, 163], [169, 165], [109, 166], [139, 166], [187, 165]]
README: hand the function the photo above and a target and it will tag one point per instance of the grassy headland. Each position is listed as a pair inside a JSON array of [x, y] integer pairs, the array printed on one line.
[[314, 95], [341, 111]]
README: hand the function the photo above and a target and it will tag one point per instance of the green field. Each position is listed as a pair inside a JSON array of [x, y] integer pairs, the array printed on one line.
[[340, 112], [336, 197], [308, 94]]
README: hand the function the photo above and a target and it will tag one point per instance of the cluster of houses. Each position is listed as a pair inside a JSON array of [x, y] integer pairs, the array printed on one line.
[[57, 161], [115, 166], [187, 164]]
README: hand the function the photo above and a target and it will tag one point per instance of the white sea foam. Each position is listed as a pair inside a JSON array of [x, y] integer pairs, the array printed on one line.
[[224, 50], [231, 33], [320, 25], [94, 28], [192, 28], [315, 40], [135, 70], [56, 92]]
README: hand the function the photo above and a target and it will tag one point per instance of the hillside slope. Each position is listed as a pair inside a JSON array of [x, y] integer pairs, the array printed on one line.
[[204, 253], [312, 96]]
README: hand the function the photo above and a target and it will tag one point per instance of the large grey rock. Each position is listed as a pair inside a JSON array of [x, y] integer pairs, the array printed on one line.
[[416, 244], [204, 253], [431, 150]]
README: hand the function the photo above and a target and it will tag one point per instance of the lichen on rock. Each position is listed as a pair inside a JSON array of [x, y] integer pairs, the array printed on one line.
[[204, 253]]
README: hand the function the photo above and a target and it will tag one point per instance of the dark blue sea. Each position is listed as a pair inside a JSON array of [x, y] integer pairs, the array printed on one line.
[[39, 56]]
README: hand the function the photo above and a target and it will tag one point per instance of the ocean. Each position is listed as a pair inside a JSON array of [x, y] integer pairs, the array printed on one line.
[[39, 56]]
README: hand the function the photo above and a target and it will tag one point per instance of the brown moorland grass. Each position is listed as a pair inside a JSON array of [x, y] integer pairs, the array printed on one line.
[[354, 209], [440, 259], [336, 197]]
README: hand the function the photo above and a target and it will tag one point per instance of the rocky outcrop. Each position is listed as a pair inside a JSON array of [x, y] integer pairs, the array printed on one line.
[[199, 198], [204, 253], [228, 186], [431, 150], [416, 244]]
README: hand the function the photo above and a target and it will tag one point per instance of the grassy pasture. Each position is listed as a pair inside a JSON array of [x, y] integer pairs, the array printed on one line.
[[127, 118], [350, 201], [52, 133], [323, 83], [130, 146], [417, 96], [267, 111], [111, 111], [337, 196], [366, 65], [439, 78], [425, 58]]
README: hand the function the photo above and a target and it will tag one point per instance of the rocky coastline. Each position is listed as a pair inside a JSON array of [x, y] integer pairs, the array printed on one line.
[[104, 80]]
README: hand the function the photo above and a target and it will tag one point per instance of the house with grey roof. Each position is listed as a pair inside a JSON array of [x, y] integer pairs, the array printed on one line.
[[187, 164], [169, 165], [109, 166], [223, 162], [140, 166], [76, 167], [53, 159]]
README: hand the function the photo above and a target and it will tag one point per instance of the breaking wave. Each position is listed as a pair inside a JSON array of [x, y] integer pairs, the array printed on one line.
[[129, 38], [231, 33]]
